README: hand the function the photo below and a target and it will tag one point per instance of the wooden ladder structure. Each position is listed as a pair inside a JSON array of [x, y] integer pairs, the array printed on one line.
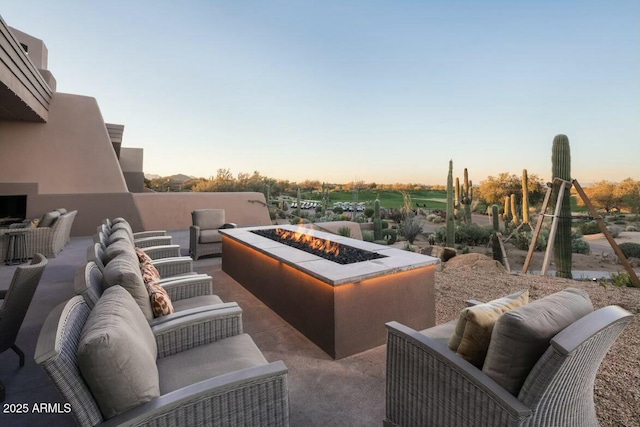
[[554, 227]]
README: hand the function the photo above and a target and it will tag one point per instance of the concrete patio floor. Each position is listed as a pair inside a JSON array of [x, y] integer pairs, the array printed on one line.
[[322, 391]]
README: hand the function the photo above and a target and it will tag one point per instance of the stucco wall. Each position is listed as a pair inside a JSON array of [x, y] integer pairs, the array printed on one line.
[[72, 153], [166, 211]]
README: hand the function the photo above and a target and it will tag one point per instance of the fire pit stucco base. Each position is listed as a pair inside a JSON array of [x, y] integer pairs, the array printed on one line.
[[341, 308]]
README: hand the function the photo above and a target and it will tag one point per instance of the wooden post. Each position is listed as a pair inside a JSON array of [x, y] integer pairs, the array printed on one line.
[[554, 228], [536, 232], [607, 234]]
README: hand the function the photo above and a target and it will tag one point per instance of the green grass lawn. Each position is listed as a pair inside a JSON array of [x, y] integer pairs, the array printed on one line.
[[393, 199]]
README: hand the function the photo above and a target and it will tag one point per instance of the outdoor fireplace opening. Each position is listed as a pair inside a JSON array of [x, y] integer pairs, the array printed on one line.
[[332, 251]]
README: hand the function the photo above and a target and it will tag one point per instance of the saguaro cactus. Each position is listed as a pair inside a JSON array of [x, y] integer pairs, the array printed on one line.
[[514, 212], [456, 201], [467, 197], [506, 215], [497, 250], [299, 204], [525, 197], [451, 230], [561, 168], [377, 222]]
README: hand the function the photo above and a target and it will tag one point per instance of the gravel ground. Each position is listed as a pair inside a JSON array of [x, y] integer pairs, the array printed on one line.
[[617, 387]]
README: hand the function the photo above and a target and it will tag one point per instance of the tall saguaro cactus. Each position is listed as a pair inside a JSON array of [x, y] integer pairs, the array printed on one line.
[[377, 222], [467, 198], [299, 205], [514, 212], [525, 197], [451, 230], [506, 216], [497, 250], [456, 201], [561, 168]]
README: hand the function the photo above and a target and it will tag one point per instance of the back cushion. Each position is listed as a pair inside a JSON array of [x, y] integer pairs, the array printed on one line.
[[49, 219], [120, 235], [121, 246], [208, 219], [122, 226], [475, 325], [117, 354], [521, 336], [61, 211], [124, 270]]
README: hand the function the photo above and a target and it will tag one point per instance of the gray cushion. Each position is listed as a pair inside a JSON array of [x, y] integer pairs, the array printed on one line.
[[62, 211], [199, 301], [119, 246], [210, 236], [124, 270], [123, 226], [49, 219], [120, 235], [522, 335], [208, 219], [117, 354], [441, 333], [208, 361]]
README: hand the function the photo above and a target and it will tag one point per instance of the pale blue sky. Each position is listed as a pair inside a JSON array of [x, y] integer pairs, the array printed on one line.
[[380, 91]]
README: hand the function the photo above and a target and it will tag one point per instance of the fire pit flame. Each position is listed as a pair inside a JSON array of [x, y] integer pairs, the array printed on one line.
[[315, 243]]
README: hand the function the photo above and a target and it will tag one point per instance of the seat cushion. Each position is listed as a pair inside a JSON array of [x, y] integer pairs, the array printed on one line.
[[522, 335], [210, 236], [124, 270], [474, 327], [195, 302], [208, 219], [117, 354], [49, 219], [208, 361]]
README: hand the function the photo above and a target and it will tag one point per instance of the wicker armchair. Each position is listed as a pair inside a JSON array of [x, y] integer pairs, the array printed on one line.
[[201, 373], [428, 384], [204, 238], [15, 303], [48, 240]]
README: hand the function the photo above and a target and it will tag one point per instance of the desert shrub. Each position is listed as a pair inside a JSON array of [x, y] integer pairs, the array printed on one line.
[[432, 217], [272, 215], [630, 250], [368, 212], [465, 250], [473, 234], [367, 235], [590, 227], [480, 207], [431, 239], [580, 246], [615, 231], [621, 279], [620, 222], [384, 224], [391, 236], [319, 209], [631, 228], [338, 210], [437, 220], [344, 231], [411, 227], [440, 235], [282, 214], [522, 240], [408, 247]]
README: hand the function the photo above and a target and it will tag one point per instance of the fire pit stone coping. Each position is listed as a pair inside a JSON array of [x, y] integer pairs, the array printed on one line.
[[395, 260]]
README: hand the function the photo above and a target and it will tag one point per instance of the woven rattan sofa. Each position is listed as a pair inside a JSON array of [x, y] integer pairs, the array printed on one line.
[[428, 384], [49, 237], [196, 371]]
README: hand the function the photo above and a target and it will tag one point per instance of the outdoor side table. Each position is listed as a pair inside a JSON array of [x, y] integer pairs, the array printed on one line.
[[16, 247]]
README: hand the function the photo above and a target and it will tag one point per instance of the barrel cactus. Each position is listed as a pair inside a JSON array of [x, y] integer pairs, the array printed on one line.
[[561, 168]]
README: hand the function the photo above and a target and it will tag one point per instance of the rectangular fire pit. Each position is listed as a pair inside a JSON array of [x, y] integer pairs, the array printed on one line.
[[342, 308]]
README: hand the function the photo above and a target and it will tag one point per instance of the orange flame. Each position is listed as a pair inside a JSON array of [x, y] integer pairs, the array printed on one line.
[[315, 243]]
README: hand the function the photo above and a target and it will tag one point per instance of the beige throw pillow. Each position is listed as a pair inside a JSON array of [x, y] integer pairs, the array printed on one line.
[[475, 325], [160, 300]]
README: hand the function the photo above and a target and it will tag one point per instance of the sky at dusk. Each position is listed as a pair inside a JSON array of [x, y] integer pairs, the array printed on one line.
[[378, 91]]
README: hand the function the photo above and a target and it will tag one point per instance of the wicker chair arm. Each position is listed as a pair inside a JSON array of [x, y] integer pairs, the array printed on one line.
[[152, 241], [426, 381], [188, 286], [222, 400], [143, 234], [204, 327], [169, 267], [162, 251]]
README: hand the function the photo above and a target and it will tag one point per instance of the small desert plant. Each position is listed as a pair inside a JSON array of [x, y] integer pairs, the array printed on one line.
[[368, 212], [431, 239], [621, 279], [411, 227], [344, 231], [432, 217], [631, 228], [384, 224], [630, 250], [473, 234], [338, 210], [615, 231], [580, 246], [408, 247], [590, 227], [391, 236], [367, 235], [465, 250]]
